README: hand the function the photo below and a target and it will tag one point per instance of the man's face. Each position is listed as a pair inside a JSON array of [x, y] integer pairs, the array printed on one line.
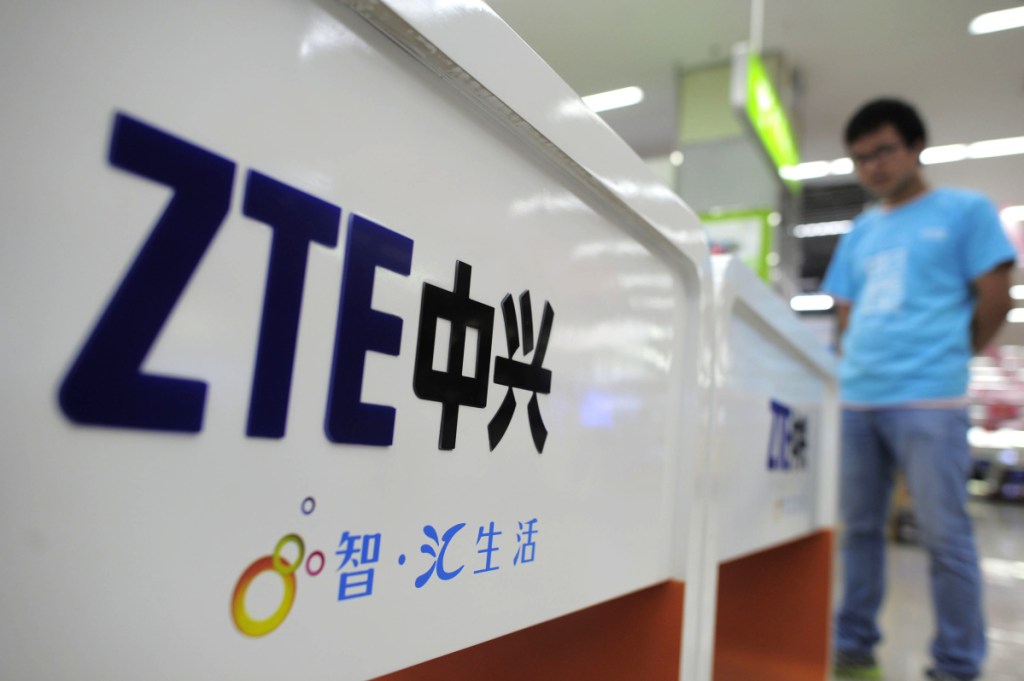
[[886, 166]]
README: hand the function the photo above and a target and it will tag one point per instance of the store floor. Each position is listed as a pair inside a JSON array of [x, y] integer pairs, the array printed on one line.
[[907, 621]]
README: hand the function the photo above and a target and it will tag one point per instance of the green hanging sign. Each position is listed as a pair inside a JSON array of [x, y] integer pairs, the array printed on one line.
[[757, 104]]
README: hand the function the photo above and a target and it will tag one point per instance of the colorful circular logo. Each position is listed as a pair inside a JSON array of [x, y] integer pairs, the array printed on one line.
[[284, 569], [253, 627]]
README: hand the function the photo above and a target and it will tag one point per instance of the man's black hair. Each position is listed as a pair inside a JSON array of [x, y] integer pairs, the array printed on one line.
[[880, 112]]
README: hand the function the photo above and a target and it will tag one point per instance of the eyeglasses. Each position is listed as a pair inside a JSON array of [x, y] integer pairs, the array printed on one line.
[[879, 153]]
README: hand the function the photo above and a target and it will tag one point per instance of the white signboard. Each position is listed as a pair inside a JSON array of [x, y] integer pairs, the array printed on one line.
[[775, 452], [313, 364]]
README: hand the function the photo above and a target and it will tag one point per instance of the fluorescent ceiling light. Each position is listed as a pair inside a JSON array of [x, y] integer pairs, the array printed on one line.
[[989, 148], [841, 166], [614, 99], [813, 229], [812, 302], [1017, 292], [1016, 315], [1012, 214], [1002, 20], [948, 153], [944, 154], [805, 171], [815, 169]]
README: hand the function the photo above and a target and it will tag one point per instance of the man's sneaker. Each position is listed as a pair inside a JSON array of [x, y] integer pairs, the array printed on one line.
[[939, 675], [856, 666]]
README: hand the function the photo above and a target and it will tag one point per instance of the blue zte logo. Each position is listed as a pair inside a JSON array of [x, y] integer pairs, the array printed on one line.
[[105, 386], [787, 442]]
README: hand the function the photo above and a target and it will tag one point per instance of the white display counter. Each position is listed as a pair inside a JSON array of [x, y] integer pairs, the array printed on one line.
[[338, 336], [774, 465]]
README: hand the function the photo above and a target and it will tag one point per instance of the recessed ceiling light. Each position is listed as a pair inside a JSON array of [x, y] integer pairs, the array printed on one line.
[[1003, 20]]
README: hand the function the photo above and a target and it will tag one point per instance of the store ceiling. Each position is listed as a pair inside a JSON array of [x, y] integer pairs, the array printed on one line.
[[969, 88]]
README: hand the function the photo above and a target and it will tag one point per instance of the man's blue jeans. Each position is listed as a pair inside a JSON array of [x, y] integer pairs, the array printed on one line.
[[930, 447]]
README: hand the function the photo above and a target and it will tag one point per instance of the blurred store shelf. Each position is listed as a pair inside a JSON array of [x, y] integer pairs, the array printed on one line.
[[997, 423]]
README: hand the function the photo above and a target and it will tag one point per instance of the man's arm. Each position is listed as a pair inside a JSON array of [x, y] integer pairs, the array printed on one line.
[[992, 304], [842, 319]]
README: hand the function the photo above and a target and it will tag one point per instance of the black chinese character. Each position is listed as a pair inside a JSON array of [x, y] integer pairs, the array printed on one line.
[[450, 387], [798, 443], [526, 376]]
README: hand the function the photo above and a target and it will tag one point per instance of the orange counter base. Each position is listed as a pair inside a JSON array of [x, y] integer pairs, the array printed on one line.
[[636, 636], [774, 613]]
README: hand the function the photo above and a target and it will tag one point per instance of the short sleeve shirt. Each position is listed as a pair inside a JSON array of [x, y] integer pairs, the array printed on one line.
[[907, 273]]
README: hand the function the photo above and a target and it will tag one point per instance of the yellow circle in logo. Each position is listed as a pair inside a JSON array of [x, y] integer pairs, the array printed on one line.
[[280, 564], [246, 624]]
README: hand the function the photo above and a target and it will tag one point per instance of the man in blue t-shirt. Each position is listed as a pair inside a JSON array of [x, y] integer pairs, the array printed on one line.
[[921, 283]]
